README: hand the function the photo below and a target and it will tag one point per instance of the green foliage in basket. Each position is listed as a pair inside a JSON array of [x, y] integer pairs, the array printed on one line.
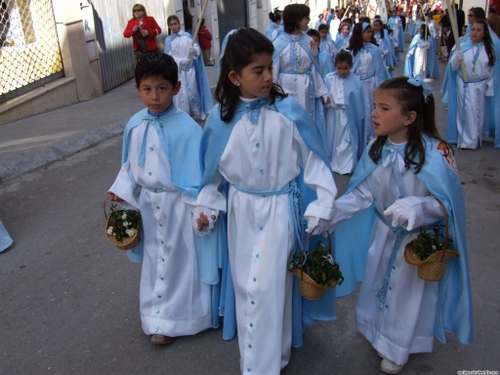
[[319, 265], [426, 244], [123, 223]]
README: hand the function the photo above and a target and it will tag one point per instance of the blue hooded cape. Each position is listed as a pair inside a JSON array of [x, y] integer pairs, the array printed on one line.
[[214, 139], [178, 132], [431, 66], [200, 73], [454, 307]]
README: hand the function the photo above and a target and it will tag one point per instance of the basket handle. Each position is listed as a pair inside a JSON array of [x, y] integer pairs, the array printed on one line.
[[104, 207], [445, 243], [304, 249]]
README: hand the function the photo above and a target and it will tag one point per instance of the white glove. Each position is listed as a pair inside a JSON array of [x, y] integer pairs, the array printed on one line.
[[184, 63], [386, 53], [208, 213], [401, 213], [426, 45], [455, 60], [193, 51], [410, 53], [316, 226]]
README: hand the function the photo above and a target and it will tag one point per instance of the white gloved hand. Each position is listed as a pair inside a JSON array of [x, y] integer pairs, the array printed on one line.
[[193, 51], [208, 212], [410, 53], [184, 63], [426, 45], [458, 56], [401, 213], [316, 226], [386, 53]]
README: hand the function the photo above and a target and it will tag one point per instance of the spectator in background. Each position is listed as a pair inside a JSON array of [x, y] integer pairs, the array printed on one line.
[[143, 30], [494, 20], [205, 41], [460, 17], [188, 18]]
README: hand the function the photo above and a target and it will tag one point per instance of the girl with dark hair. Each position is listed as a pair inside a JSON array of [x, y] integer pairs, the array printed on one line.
[[254, 145], [296, 66], [369, 66], [396, 191], [473, 106], [273, 29], [422, 55]]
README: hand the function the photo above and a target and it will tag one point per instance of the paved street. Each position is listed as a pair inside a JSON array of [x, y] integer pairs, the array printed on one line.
[[69, 299]]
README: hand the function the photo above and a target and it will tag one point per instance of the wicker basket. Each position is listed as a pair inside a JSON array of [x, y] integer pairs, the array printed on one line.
[[128, 242], [432, 268], [310, 289]]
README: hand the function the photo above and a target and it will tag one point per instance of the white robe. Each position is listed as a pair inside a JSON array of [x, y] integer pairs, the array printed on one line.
[[299, 86], [471, 101], [405, 324], [365, 70], [421, 51], [264, 156], [173, 299], [187, 76], [339, 140]]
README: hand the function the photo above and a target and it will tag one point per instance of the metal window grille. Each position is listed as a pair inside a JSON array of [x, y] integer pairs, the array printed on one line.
[[29, 46]]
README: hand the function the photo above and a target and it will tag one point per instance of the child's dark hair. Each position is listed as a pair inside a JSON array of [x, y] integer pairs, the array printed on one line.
[[343, 56], [425, 31], [241, 50], [488, 42], [356, 41], [411, 98], [275, 16], [313, 32], [156, 64], [378, 20], [292, 15], [323, 26], [173, 17]]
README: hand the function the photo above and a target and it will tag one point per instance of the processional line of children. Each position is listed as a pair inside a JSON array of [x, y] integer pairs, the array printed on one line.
[[292, 109]]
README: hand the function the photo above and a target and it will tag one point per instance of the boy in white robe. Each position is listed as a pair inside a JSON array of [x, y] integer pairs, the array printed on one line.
[[161, 180]]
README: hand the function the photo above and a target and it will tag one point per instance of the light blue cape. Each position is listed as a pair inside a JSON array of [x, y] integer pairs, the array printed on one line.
[[454, 307], [181, 132], [431, 66], [215, 137]]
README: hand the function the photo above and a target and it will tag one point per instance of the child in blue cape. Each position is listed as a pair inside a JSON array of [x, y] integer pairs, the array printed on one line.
[[296, 66], [255, 143], [194, 97], [393, 192], [274, 28], [421, 57], [385, 44], [326, 43], [368, 65], [325, 59], [342, 40], [346, 118], [161, 179]]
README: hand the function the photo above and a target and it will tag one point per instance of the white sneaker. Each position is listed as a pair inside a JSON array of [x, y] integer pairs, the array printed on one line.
[[390, 367]]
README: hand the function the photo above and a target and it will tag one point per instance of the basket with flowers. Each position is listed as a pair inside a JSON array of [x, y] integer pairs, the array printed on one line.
[[429, 251], [122, 227], [316, 270]]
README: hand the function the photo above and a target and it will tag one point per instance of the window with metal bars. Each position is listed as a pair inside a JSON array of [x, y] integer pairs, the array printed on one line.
[[29, 47]]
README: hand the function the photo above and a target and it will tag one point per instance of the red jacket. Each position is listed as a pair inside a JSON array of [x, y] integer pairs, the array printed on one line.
[[149, 24], [204, 38]]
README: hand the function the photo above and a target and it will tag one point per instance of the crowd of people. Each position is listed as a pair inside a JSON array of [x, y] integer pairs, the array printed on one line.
[[294, 106]]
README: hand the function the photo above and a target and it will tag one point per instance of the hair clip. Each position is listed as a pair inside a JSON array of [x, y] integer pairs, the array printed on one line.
[[418, 81]]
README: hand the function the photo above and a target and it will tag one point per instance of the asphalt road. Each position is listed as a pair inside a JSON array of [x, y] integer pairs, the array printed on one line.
[[69, 299]]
